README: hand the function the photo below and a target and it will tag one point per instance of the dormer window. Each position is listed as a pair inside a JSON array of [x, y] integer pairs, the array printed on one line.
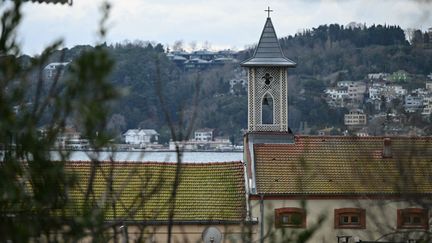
[[350, 218], [290, 218], [412, 218]]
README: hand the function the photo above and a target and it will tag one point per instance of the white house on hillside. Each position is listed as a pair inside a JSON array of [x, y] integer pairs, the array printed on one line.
[[357, 90], [429, 85], [427, 106], [336, 96], [52, 70], [375, 92], [413, 103], [140, 136], [355, 118], [377, 76]]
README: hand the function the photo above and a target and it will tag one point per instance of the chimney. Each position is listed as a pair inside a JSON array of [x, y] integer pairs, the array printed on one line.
[[387, 150]]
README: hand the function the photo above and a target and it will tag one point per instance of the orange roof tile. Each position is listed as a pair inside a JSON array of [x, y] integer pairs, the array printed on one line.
[[344, 165]]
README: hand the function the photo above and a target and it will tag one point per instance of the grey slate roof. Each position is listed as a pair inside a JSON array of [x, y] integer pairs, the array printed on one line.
[[268, 51]]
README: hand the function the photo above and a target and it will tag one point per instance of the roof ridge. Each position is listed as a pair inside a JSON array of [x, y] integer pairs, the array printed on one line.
[[361, 138], [126, 162]]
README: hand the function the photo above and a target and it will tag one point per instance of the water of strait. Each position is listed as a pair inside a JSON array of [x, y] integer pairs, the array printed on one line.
[[138, 156]]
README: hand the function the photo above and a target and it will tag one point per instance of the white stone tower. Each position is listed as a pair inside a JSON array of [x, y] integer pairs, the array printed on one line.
[[267, 73]]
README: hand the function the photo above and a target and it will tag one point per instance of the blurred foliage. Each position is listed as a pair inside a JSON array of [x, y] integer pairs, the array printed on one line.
[[34, 112]]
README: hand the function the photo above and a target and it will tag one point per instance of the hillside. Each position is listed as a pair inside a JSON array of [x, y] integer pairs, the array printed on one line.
[[324, 55]]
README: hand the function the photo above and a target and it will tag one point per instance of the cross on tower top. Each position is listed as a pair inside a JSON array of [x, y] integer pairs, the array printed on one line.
[[268, 10]]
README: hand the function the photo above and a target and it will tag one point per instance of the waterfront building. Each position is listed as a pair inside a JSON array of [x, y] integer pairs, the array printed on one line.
[[141, 136], [70, 139], [54, 70], [218, 144], [204, 134]]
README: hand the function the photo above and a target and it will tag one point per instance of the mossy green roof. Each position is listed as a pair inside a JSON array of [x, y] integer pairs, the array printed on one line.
[[141, 191]]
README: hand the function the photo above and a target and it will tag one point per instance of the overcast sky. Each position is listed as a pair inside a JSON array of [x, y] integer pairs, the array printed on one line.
[[223, 23]]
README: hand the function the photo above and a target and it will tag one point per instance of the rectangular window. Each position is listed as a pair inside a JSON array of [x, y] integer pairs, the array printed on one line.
[[412, 218], [350, 218], [290, 218]]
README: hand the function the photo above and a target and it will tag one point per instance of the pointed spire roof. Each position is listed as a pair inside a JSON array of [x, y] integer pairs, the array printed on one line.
[[268, 51]]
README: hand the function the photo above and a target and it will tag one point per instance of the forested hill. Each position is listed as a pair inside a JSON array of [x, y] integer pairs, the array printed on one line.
[[325, 55], [357, 50], [358, 35], [329, 49]]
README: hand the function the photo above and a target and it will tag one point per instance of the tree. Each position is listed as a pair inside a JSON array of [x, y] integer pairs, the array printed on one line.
[[417, 38], [33, 187], [192, 45], [383, 104], [206, 45], [37, 203], [426, 38], [178, 45], [116, 124], [409, 33]]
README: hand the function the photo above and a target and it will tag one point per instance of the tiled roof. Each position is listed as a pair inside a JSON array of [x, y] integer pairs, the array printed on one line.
[[207, 192], [268, 52], [344, 165]]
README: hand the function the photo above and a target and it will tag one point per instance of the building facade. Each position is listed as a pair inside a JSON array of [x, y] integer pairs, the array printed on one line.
[[205, 134], [355, 118], [413, 103], [364, 188], [140, 136], [54, 70], [141, 206]]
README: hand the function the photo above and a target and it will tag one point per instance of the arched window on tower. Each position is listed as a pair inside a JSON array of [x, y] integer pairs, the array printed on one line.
[[267, 109]]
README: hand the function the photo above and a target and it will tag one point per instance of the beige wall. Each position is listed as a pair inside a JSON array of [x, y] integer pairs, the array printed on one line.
[[183, 233], [381, 217]]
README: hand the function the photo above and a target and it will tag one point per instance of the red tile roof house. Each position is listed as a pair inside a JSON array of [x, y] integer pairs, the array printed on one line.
[[366, 188], [327, 188]]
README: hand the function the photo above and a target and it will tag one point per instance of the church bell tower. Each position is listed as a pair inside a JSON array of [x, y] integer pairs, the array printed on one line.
[[267, 72]]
